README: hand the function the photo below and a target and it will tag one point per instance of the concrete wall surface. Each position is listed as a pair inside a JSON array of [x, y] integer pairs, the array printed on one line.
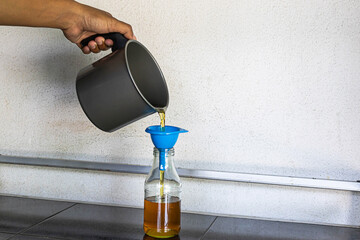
[[264, 87]]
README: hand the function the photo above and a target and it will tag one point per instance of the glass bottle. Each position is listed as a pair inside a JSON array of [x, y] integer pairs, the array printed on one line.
[[162, 198]]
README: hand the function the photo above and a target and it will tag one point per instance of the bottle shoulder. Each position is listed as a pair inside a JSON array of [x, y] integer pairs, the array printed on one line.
[[168, 176], [170, 172], [171, 188]]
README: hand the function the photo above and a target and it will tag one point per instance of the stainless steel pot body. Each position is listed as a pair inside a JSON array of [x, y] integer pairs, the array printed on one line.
[[122, 87]]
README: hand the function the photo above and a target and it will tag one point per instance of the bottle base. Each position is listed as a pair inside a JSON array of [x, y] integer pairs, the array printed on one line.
[[155, 234], [162, 217]]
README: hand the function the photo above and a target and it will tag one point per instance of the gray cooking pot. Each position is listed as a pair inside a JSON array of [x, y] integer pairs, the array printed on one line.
[[121, 87]]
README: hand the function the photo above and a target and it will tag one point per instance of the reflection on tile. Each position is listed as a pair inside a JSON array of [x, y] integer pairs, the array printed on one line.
[[235, 228], [146, 237], [193, 227], [85, 221], [4, 236], [19, 213]]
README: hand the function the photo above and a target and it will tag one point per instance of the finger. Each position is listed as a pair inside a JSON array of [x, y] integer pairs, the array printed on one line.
[[109, 43], [100, 41], [93, 47], [92, 44], [85, 50], [96, 50]]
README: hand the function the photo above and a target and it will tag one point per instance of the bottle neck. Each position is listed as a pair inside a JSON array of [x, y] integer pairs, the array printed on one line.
[[163, 181], [163, 158]]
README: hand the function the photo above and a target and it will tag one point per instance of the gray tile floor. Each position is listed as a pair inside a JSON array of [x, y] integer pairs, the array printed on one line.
[[32, 219], [19, 213], [250, 229], [5, 236]]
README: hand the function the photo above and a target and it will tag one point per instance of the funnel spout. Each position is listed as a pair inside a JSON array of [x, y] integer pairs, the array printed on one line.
[[162, 160]]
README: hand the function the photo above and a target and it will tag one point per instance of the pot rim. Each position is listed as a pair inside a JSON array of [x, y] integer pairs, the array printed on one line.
[[158, 109]]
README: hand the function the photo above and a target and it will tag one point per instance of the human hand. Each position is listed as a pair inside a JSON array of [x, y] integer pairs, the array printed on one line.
[[89, 21]]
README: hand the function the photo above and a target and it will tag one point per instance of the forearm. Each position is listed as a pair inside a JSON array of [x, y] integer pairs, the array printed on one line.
[[77, 21], [39, 13]]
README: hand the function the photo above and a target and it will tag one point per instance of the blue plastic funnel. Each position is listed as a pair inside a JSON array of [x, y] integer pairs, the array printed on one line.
[[164, 139]]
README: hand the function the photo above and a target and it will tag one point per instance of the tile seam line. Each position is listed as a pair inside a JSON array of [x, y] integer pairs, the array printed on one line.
[[208, 229], [41, 236], [38, 223]]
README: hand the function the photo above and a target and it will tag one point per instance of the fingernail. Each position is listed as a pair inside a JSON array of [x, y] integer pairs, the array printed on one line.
[[93, 46]]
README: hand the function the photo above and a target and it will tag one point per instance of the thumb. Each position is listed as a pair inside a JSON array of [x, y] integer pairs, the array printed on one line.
[[123, 28]]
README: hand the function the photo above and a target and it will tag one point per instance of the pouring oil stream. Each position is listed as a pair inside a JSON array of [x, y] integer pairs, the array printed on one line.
[[162, 128]]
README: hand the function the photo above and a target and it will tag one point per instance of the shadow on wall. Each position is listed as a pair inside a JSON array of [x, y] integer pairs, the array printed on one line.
[[278, 170], [49, 155], [44, 107], [355, 209], [61, 65]]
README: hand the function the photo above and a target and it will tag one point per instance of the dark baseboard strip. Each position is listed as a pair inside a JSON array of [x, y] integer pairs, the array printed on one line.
[[189, 173]]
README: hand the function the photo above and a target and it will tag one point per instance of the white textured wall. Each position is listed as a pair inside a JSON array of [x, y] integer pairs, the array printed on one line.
[[267, 87]]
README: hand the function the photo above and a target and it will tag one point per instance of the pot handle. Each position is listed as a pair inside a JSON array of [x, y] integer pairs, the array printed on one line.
[[118, 39]]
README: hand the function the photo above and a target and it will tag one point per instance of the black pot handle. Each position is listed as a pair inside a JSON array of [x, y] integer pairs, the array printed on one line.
[[118, 39]]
